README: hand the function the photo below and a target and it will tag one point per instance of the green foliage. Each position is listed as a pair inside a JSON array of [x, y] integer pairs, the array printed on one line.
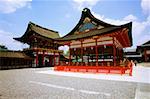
[[66, 53], [3, 48]]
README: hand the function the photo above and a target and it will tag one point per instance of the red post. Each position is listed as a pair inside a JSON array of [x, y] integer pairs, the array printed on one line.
[[103, 56], [131, 67], [69, 55], [36, 58], [59, 59], [54, 59], [43, 57], [114, 52], [88, 59], [82, 51], [96, 50]]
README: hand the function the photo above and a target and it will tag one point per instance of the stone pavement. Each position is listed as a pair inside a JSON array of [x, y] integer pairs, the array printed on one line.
[[142, 91], [30, 84]]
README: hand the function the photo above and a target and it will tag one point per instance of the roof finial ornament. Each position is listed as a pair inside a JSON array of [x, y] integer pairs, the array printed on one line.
[[85, 9]]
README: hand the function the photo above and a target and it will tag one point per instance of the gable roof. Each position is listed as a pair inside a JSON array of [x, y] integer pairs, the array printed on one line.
[[34, 28], [106, 28], [86, 13]]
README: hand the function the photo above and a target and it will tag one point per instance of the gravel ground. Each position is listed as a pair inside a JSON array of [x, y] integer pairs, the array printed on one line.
[[26, 84]]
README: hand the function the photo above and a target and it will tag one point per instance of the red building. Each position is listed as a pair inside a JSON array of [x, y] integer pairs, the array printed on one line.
[[92, 44], [42, 43], [144, 49]]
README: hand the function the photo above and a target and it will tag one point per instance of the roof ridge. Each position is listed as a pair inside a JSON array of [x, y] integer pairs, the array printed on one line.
[[88, 11]]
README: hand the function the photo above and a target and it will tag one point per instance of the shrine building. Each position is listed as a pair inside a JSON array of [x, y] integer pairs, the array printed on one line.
[[92, 43], [42, 43], [144, 49]]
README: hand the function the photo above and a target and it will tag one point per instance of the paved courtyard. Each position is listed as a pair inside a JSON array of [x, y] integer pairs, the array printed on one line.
[[29, 84]]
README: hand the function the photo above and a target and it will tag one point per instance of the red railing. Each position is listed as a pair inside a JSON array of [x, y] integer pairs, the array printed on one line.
[[95, 69]]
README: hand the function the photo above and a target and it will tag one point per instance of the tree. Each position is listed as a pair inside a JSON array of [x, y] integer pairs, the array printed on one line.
[[3, 48], [66, 53]]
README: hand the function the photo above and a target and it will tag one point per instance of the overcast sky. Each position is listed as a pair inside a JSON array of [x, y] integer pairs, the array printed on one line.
[[63, 15]]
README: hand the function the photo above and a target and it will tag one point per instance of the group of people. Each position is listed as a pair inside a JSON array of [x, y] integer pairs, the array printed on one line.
[[125, 62]]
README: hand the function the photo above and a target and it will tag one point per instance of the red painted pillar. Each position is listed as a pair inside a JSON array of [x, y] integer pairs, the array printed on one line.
[[145, 55], [43, 58], [36, 58], [59, 59], [96, 50], [54, 59], [69, 55], [103, 56], [114, 52], [82, 51]]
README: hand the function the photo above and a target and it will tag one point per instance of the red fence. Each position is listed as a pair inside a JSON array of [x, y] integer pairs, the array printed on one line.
[[98, 69]]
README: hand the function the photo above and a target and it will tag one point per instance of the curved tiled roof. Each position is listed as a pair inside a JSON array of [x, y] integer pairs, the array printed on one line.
[[107, 28], [73, 35], [34, 28], [44, 31], [88, 34]]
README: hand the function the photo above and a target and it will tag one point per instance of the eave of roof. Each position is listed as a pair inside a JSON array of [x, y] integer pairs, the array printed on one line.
[[71, 36], [107, 28], [147, 43], [95, 32], [88, 34], [43, 32], [144, 45], [13, 54], [87, 13]]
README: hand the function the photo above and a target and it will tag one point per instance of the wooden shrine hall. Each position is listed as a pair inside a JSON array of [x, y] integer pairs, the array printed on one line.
[[94, 46], [43, 47], [144, 49]]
